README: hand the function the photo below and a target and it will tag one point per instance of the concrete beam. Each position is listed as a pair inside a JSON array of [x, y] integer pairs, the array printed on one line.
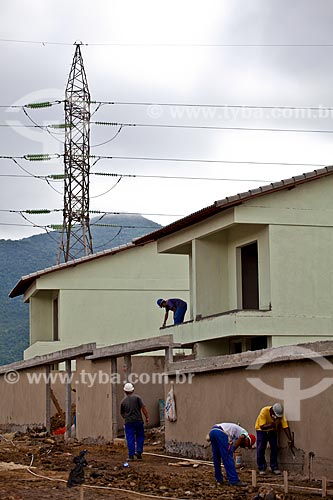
[[135, 347], [313, 350], [50, 359]]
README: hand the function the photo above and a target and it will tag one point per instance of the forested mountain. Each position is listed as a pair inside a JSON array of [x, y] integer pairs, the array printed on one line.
[[21, 257]]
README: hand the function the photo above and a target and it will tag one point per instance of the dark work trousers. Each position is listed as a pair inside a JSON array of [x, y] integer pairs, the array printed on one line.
[[135, 436], [179, 314], [262, 439], [222, 449]]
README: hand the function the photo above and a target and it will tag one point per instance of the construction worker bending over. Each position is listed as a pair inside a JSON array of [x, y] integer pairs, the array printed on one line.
[[177, 306], [225, 438]]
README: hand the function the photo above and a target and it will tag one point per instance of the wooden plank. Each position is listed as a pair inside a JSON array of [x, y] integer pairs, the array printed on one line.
[[56, 403], [254, 478], [323, 487], [298, 489], [285, 481]]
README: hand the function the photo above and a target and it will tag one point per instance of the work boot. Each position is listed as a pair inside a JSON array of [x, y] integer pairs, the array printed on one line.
[[262, 472], [276, 471], [239, 483], [130, 458], [138, 455]]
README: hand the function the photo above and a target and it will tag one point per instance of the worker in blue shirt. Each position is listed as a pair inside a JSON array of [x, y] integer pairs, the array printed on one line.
[[178, 306]]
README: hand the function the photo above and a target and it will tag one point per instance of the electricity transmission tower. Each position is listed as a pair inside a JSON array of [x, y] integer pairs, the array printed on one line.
[[76, 236]]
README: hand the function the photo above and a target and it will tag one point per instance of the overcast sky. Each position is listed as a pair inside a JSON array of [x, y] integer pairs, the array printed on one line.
[[218, 52]]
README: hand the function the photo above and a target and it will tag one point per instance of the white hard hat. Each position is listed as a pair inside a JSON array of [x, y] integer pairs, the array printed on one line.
[[278, 409], [128, 387]]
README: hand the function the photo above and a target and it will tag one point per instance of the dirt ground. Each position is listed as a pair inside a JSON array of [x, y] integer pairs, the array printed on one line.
[[107, 478]]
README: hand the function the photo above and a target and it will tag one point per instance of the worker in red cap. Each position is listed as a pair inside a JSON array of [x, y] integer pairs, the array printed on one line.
[[225, 438]]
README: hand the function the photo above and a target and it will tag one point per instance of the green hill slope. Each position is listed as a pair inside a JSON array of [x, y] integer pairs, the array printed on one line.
[[21, 257]]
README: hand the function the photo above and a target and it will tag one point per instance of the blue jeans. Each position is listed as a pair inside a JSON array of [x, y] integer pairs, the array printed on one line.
[[262, 439], [179, 314], [221, 449], [135, 436]]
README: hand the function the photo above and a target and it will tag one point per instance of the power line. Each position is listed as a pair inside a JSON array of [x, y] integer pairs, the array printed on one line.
[[173, 104], [34, 105], [198, 160], [33, 157], [211, 127], [167, 44], [47, 211], [150, 158], [37, 42], [182, 177], [110, 174], [188, 127], [200, 105]]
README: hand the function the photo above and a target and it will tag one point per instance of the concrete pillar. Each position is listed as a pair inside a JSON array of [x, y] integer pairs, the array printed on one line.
[[168, 355], [127, 365], [47, 399], [114, 399], [68, 399]]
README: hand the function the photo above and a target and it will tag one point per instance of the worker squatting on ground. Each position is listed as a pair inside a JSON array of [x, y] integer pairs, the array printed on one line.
[[131, 409], [269, 418], [225, 438], [178, 306]]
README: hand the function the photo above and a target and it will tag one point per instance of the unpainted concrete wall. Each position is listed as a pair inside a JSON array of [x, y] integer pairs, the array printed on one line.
[[23, 404], [23, 399], [94, 400], [227, 396]]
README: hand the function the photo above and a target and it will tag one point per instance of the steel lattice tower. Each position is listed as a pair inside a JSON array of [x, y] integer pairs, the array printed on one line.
[[76, 237]]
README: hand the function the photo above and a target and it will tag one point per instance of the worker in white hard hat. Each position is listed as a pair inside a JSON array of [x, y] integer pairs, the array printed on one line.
[[267, 423], [131, 409]]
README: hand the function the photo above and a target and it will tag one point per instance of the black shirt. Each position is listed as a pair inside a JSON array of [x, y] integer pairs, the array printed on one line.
[[130, 408]]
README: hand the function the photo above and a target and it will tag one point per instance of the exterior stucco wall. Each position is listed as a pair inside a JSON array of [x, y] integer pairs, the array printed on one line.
[[108, 300], [307, 204], [109, 316], [312, 195], [94, 399], [294, 232], [23, 404], [302, 270], [227, 396], [93, 402], [237, 237], [209, 258], [41, 317], [216, 269]]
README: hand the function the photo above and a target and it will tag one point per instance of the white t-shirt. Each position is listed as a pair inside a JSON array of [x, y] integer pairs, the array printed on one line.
[[233, 430]]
